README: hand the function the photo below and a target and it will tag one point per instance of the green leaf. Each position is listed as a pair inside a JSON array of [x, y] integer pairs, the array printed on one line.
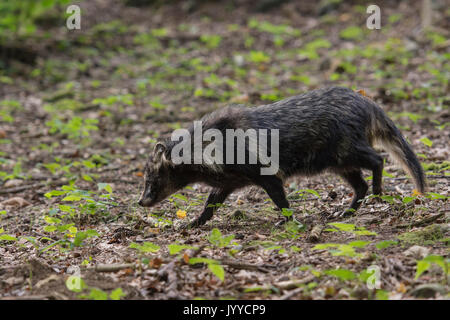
[[117, 294], [287, 212], [202, 260], [87, 177], [72, 197], [426, 141], [217, 270], [382, 295], [54, 193], [145, 247], [97, 294], [343, 226], [359, 243], [175, 248], [385, 244], [421, 267], [50, 228], [323, 246], [52, 220], [105, 186], [7, 237], [342, 274], [180, 196]]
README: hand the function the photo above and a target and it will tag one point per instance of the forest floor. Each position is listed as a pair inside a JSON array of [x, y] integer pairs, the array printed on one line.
[[78, 122]]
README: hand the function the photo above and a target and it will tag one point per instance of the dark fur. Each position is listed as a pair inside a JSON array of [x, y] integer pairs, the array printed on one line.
[[332, 128]]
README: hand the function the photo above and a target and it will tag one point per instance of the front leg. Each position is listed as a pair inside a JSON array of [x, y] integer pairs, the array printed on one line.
[[217, 196], [274, 188]]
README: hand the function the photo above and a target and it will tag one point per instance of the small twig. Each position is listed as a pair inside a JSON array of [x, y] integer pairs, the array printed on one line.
[[292, 293], [421, 222], [112, 267], [241, 265], [285, 285], [32, 186]]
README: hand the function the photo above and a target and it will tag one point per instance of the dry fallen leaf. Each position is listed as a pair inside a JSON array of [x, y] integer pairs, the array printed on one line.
[[186, 258], [181, 214], [155, 263], [15, 202], [362, 92], [13, 183], [401, 288]]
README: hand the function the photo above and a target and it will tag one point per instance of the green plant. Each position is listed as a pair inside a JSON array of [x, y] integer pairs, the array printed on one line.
[[74, 128], [18, 18], [425, 264], [85, 201], [213, 265], [216, 239], [340, 249]]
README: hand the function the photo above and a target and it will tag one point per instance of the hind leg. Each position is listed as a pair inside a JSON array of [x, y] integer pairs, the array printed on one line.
[[377, 174], [355, 179], [370, 159]]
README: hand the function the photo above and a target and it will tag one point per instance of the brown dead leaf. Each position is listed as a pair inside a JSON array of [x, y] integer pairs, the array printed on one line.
[[401, 288], [2, 134], [155, 263], [240, 99], [13, 183], [186, 258], [15, 202], [362, 92]]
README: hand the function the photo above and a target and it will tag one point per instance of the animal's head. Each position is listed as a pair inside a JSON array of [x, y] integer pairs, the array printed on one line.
[[160, 180]]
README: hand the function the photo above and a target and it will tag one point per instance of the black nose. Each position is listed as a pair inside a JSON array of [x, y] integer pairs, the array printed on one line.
[[140, 202]]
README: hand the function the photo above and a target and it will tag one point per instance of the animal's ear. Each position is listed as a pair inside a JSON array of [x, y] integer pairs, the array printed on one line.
[[159, 153], [159, 149]]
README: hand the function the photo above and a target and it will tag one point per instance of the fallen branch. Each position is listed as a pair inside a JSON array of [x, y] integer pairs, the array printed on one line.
[[32, 186], [421, 222]]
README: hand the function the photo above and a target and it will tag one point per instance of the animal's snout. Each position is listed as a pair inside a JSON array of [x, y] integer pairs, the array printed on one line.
[[140, 202]]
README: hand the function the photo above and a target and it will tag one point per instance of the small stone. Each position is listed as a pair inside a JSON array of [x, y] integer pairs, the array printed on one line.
[[417, 252], [13, 183]]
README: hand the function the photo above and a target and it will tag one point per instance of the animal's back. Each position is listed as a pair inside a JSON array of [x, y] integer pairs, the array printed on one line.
[[318, 129]]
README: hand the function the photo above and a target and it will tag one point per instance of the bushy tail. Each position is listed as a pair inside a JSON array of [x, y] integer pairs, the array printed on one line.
[[391, 139]]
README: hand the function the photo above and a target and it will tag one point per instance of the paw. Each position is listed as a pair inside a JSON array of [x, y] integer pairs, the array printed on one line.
[[344, 214], [195, 224]]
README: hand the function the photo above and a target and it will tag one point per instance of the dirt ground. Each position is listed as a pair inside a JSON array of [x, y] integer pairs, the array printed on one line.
[[78, 121]]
